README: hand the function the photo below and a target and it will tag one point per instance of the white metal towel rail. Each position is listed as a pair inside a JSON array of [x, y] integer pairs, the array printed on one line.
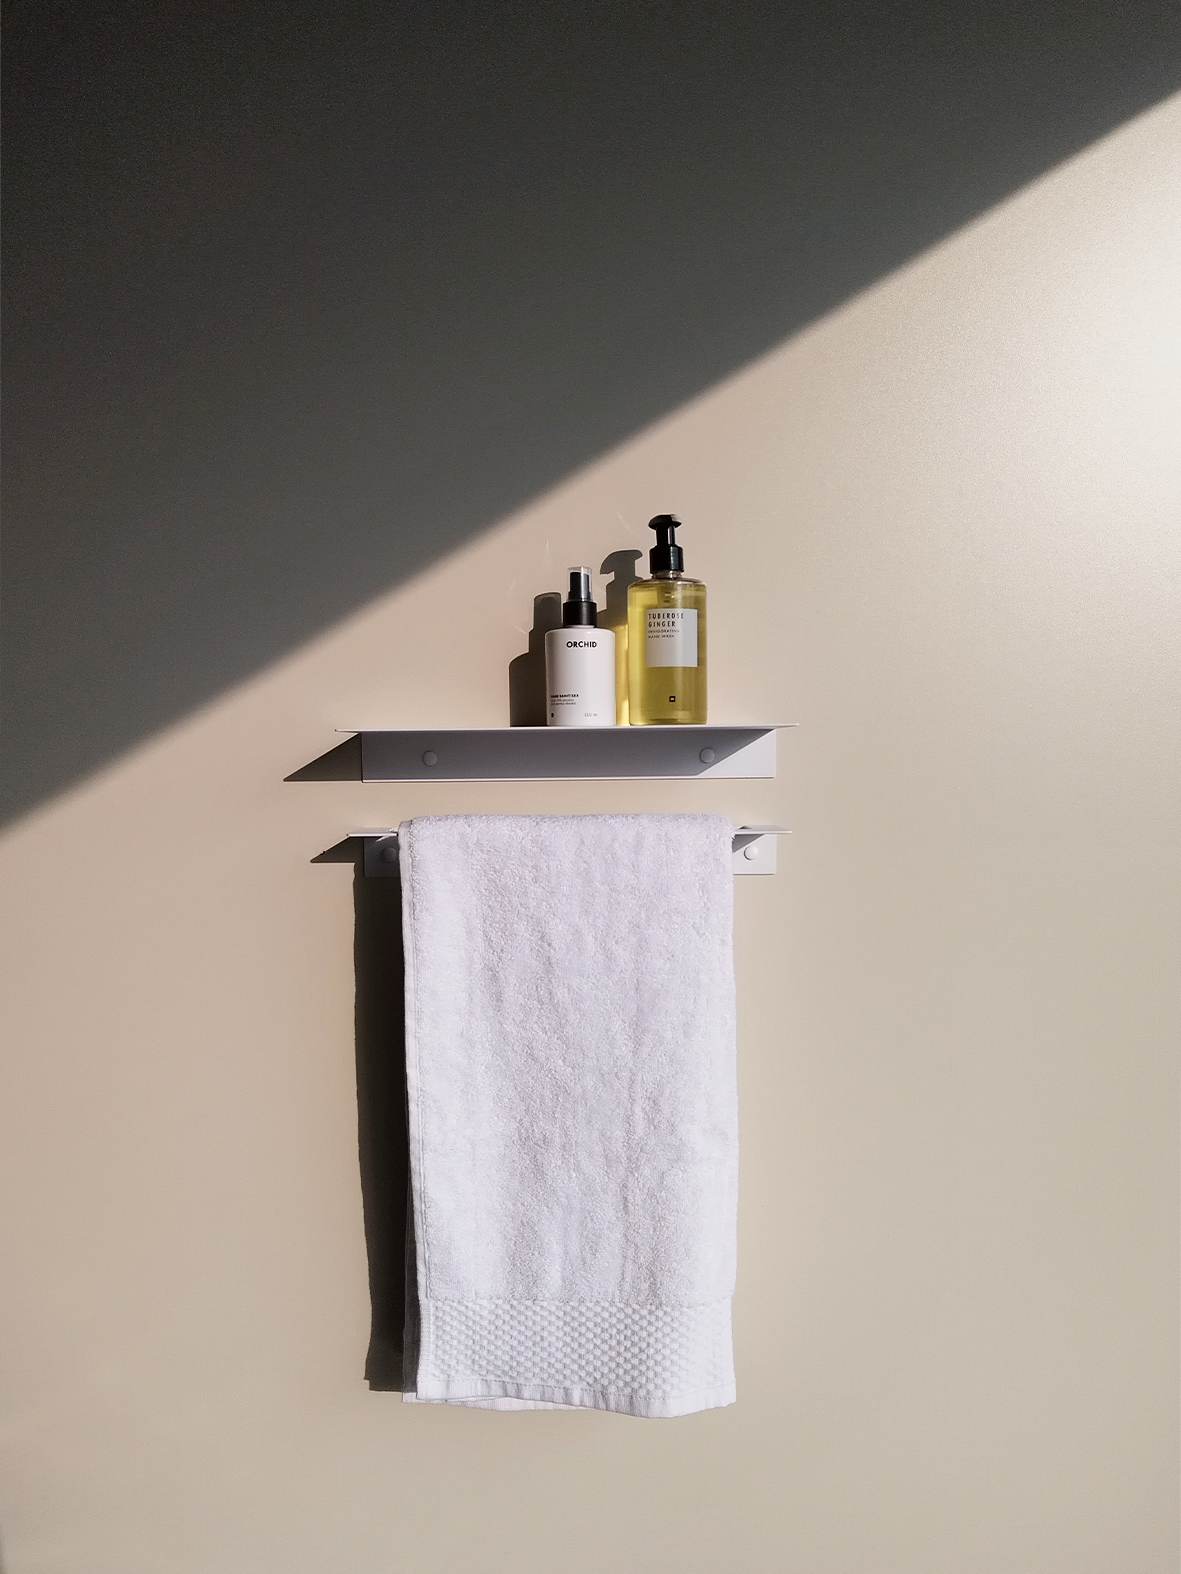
[[754, 849]]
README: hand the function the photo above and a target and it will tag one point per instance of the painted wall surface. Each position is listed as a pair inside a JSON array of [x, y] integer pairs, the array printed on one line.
[[940, 530]]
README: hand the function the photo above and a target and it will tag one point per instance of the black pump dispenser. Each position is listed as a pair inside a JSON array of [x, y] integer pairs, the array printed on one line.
[[666, 556], [579, 611]]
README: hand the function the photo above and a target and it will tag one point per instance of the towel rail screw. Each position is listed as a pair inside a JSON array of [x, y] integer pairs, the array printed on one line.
[[707, 756], [430, 758]]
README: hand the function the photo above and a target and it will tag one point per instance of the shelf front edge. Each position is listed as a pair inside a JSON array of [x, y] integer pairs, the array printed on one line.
[[568, 753]]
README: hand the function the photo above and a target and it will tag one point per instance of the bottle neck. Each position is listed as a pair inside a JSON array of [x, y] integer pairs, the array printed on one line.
[[579, 614]]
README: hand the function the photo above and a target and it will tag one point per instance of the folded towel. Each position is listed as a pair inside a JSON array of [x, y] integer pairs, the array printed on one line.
[[572, 1111]]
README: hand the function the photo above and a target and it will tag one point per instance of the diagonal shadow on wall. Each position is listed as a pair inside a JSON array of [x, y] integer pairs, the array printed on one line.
[[302, 296]]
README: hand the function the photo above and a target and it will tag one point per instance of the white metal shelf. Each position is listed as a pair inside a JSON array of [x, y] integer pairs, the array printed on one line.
[[464, 754]]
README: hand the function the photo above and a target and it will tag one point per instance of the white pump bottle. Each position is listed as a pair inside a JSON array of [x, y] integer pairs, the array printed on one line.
[[580, 663]]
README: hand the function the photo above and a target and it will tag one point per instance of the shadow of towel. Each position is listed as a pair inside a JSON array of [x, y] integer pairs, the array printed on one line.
[[381, 1116]]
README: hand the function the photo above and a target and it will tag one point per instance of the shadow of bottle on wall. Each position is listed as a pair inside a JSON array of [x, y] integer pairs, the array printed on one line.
[[381, 1116], [526, 672]]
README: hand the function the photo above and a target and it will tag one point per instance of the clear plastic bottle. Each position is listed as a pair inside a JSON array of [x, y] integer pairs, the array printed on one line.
[[622, 565], [666, 637]]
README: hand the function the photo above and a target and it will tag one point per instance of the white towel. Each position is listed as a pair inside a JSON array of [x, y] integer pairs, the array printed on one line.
[[572, 1111]]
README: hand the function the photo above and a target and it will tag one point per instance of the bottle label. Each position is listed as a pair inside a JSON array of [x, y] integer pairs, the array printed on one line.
[[672, 637], [580, 677]]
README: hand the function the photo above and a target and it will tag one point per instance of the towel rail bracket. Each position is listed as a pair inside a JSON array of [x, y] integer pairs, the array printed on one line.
[[754, 850]]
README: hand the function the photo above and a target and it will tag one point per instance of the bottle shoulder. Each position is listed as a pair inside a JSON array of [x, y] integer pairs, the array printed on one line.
[[671, 586], [580, 635]]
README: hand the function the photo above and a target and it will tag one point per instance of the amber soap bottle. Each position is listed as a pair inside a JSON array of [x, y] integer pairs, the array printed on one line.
[[666, 643]]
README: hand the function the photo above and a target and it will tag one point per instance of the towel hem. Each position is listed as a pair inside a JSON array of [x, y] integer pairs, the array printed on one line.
[[651, 1406]]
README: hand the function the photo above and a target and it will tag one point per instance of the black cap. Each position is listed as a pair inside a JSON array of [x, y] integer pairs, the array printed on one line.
[[580, 610], [666, 555]]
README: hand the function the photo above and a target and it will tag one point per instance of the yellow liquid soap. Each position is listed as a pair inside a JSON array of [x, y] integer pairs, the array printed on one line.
[[666, 650], [622, 566]]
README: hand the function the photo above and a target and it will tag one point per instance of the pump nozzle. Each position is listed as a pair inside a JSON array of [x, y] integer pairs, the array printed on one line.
[[579, 611], [666, 556]]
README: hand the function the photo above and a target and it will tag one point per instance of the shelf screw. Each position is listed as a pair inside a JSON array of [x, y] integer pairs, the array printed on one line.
[[752, 851], [707, 756], [389, 855], [430, 758]]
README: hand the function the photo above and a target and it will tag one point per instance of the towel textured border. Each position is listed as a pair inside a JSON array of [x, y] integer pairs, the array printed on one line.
[[572, 1111]]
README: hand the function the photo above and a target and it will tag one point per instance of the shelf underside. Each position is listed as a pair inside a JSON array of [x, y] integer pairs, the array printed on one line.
[[554, 753]]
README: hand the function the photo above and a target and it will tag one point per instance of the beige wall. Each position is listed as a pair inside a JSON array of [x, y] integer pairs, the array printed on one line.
[[940, 529]]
